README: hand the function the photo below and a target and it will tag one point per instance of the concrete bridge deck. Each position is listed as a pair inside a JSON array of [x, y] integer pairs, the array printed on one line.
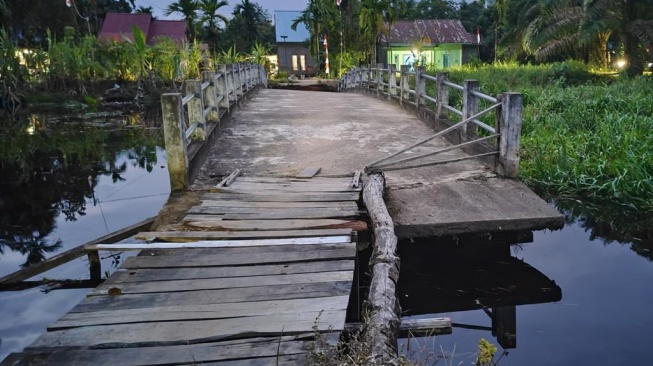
[[280, 132]]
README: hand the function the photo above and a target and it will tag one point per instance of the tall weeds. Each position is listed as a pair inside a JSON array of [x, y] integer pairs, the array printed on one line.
[[584, 135]]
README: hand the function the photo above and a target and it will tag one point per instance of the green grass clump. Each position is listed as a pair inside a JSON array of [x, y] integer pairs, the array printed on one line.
[[584, 135]]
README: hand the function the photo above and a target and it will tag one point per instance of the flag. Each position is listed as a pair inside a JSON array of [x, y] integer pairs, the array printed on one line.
[[478, 35], [69, 3]]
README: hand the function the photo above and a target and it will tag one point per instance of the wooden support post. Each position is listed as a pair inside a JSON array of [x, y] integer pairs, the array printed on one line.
[[196, 109], [392, 81], [470, 108], [442, 96], [175, 140], [509, 134], [382, 305], [403, 84], [211, 96], [223, 86], [420, 85], [379, 79], [94, 266], [504, 326]]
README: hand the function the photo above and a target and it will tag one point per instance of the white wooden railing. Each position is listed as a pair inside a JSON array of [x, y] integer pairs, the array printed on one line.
[[431, 94], [188, 117]]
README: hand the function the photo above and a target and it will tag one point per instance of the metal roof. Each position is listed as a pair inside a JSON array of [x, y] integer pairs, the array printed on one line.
[[116, 25], [405, 32], [283, 19]]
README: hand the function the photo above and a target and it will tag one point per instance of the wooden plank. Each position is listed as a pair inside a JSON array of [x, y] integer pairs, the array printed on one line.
[[230, 178], [323, 213], [190, 254], [188, 332], [287, 197], [74, 253], [318, 179], [247, 294], [192, 354], [237, 259], [200, 312], [355, 183], [344, 205], [185, 236], [167, 274], [210, 222], [308, 172], [279, 190], [212, 284], [221, 210], [225, 243], [285, 360], [292, 187]]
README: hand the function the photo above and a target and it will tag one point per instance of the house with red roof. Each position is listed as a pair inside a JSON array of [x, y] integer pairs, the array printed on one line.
[[116, 26], [438, 43]]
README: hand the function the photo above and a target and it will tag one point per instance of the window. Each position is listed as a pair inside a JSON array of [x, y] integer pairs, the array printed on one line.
[[445, 61], [302, 62], [294, 63]]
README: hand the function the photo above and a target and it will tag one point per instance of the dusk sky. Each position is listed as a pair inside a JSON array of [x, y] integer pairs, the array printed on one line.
[[269, 5]]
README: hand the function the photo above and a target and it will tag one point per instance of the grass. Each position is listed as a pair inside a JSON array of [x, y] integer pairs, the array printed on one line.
[[584, 135]]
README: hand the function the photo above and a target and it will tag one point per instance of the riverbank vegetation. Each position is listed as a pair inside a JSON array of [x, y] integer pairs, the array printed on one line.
[[585, 135]]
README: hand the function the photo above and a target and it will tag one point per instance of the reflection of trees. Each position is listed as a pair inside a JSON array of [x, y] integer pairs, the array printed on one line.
[[619, 224], [51, 169]]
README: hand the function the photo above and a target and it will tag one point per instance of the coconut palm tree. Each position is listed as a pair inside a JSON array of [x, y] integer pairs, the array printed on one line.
[[187, 8], [210, 16], [376, 18], [247, 11]]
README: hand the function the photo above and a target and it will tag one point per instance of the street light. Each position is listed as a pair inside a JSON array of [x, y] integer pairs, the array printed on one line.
[[284, 51]]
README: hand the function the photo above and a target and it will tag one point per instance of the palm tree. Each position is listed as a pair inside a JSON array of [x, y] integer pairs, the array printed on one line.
[[144, 10], [319, 17], [376, 18], [247, 11], [187, 8], [210, 16]]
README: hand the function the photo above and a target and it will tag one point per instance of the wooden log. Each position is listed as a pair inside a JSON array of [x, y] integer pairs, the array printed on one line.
[[229, 179], [72, 254], [382, 306]]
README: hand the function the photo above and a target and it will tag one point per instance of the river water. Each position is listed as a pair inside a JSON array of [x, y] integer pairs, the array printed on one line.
[[65, 179], [580, 296]]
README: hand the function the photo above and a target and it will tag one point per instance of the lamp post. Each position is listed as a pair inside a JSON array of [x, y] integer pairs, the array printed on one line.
[[284, 51]]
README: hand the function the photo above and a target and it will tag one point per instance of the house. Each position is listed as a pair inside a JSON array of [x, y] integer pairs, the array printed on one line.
[[438, 43], [292, 45], [117, 25]]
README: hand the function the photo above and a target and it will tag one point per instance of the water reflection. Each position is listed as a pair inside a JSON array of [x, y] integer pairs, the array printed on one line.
[[447, 275], [612, 224], [50, 166]]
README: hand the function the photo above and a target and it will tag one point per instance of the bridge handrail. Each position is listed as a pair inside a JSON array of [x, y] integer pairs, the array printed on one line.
[[189, 115], [411, 89]]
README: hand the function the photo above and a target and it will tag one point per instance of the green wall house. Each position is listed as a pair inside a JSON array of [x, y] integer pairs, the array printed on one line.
[[435, 43]]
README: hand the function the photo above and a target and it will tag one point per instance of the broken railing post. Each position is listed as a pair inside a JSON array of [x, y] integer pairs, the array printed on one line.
[[442, 94], [509, 125], [364, 78], [420, 85], [470, 108], [382, 306], [196, 109], [211, 96], [175, 140], [403, 84]]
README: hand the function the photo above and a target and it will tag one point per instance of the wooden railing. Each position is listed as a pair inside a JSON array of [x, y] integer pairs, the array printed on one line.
[[189, 117], [432, 94]]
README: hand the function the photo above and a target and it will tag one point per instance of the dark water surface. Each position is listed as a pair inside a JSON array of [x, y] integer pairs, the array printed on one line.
[[65, 180], [597, 312]]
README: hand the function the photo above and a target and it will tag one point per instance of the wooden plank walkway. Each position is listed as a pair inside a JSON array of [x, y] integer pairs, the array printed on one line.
[[277, 263]]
